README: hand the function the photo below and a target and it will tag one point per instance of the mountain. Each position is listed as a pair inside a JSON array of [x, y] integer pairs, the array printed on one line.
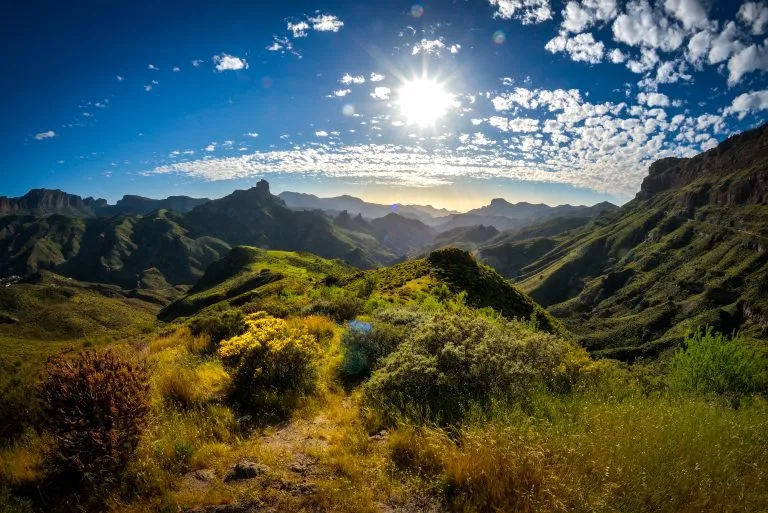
[[503, 215], [255, 217], [152, 251], [401, 234], [424, 213], [43, 202], [131, 204], [690, 250], [465, 237]]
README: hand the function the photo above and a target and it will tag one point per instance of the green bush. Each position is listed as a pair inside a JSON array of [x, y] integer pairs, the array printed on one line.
[[711, 363], [365, 345], [273, 364], [219, 326], [95, 406], [17, 411], [339, 308], [456, 361]]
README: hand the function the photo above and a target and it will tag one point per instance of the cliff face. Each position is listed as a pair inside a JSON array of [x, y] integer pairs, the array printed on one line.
[[41, 202], [734, 173]]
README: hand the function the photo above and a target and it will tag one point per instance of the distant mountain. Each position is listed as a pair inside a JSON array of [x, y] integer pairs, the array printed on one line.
[[44, 202], [465, 237], [401, 234], [131, 204], [424, 213], [255, 217], [690, 250], [503, 215]]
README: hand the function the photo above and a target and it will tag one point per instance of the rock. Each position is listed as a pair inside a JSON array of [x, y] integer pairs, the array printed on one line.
[[245, 470], [198, 478]]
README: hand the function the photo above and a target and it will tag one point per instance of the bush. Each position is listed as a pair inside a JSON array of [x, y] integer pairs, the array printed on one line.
[[273, 364], [456, 361], [710, 363], [219, 326], [17, 411], [95, 406], [339, 307], [365, 345]]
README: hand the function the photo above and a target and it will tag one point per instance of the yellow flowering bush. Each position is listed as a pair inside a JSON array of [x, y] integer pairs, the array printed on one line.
[[273, 363]]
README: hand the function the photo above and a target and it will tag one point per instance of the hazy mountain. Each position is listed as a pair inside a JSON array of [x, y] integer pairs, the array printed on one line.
[[503, 215], [131, 204], [401, 234], [691, 249], [465, 237], [424, 213], [44, 202]]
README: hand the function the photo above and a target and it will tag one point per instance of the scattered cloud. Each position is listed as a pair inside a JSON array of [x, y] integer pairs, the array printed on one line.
[[581, 48], [653, 99], [49, 134], [579, 16], [148, 87], [341, 93], [252, 134], [748, 103], [153, 67], [321, 133], [375, 77], [119, 78], [755, 16], [226, 62], [691, 13], [527, 11], [643, 25], [752, 58], [428, 47], [298, 29], [350, 79], [176, 69], [326, 23], [381, 93], [197, 62]]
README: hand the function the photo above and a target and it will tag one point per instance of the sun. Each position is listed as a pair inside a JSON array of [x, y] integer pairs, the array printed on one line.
[[423, 101]]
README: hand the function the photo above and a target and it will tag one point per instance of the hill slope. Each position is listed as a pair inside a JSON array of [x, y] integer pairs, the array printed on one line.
[[691, 249]]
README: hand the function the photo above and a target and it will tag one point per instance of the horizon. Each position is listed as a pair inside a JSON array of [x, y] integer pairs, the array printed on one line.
[[435, 103]]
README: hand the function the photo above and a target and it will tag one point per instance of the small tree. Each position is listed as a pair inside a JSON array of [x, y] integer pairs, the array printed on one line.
[[95, 406]]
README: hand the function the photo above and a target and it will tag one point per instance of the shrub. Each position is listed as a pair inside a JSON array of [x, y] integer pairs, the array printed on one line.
[[17, 411], [365, 345], [273, 364], [336, 304], [456, 361], [710, 363], [95, 406], [219, 326], [320, 326]]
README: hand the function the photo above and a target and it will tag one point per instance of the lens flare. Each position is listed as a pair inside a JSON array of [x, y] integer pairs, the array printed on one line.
[[417, 10]]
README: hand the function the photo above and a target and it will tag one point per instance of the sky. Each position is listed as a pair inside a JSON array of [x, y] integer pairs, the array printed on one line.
[[449, 103]]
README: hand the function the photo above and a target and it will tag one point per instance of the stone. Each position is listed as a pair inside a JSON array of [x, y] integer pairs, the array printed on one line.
[[245, 470]]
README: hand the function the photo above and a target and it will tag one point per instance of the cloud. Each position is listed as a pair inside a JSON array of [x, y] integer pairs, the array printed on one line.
[[176, 69], [210, 147], [152, 67], [375, 77], [648, 60], [119, 78], [349, 79], [527, 11], [455, 48], [252, 134], [148, 87], [197, 62], [321, 133], [326, 23], [381, 93], [752, 58], [691, 12], [749, 102], [45, 135], [725, 44], [581, 48], [642, 25], [616, 56], [579, 16], [755, 16], [341, 93], [429, 47], [298, 29], [226, 62], [653, 99]]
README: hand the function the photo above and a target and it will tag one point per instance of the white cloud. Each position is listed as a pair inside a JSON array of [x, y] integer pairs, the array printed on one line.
[[455, 48], [197, 62], [527, 11], [210, 147], [152, 67], [119, 78], [298, 29], [725, 44], [653, 99], [176, 69], [429, 47], [375, 77], [648, 60], [749, 102], [350, 79], [755, 16], [691, 12], [326, 23], [226, 62], [45, 135], [148, 88], [341, 93], [381, 93], [752, 58], [698, 47], [616, 56], [581, 48], [252, 134], [642, 25], [579, 16], [321, 133]]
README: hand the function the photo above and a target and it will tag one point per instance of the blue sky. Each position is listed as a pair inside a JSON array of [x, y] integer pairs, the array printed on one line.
[[448, 103]]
